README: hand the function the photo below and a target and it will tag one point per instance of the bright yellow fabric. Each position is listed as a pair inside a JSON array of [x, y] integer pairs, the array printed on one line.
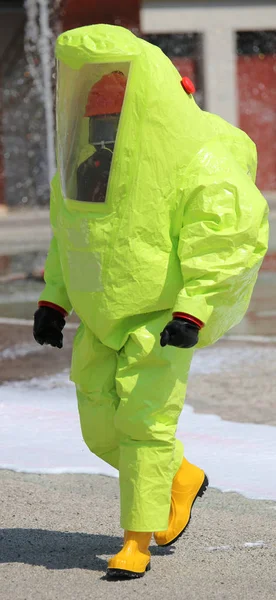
[[129, 405]]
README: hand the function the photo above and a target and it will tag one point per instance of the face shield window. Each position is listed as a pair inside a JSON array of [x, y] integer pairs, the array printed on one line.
[[103, 130], [89, 107]]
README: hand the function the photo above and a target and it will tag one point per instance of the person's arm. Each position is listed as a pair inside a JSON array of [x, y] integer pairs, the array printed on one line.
[[222, 242], [54, 293]]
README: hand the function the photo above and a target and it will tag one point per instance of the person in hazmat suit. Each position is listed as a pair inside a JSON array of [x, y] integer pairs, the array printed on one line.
[[157, 228]]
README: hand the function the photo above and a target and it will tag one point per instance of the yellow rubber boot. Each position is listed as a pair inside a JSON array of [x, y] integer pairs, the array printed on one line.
[[189, 483], [134, 558]]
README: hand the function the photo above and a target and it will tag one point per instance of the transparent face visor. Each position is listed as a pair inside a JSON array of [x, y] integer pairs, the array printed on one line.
[[89, 108]]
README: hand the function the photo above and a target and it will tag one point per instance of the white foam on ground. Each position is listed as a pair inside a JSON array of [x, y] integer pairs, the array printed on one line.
[[39, 432], [250, 545]]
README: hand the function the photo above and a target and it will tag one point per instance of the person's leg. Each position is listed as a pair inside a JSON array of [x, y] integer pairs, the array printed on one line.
[[93, 370], [151, 383], [189, 483]]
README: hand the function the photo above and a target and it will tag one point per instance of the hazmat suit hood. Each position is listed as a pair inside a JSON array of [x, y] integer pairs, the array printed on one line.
[[154, 99], [158, 110], [182, 225]]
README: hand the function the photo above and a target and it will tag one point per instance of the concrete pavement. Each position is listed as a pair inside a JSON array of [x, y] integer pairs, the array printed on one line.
[[59, 530]]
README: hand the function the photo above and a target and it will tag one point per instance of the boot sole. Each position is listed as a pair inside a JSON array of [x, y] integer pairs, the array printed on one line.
[[200, 493], [122, 574]]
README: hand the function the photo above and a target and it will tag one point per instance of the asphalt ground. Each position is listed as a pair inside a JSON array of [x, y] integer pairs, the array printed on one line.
[[57, 533]]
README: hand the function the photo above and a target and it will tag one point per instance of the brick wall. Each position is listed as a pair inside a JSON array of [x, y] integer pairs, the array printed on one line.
[[256, 84], [88, 12]]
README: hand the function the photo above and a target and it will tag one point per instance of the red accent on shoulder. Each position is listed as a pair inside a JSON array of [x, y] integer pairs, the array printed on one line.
[[179, 315], [54, 306], [188, 85]]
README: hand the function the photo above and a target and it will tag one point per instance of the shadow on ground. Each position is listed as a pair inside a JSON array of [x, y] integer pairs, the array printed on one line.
[[61, 550]]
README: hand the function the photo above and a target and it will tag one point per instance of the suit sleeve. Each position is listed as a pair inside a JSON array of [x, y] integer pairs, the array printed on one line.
[[222, 242], [54, 291]]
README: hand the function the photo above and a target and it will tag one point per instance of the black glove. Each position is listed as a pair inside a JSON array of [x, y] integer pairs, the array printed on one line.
[[48, 325], [180, 333]]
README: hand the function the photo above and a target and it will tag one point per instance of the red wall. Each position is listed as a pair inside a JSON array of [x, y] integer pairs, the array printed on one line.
[[257, 96], [256, 87], [77, 13], [186, 67]]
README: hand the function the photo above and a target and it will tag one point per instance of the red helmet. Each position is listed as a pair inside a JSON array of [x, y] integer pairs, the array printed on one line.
[[106, 97]]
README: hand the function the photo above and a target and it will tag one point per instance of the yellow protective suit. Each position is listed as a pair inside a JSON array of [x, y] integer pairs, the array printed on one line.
[[183, 228]]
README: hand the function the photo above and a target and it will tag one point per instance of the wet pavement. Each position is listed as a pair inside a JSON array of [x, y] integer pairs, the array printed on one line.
[[244, 393], [260, 318]]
